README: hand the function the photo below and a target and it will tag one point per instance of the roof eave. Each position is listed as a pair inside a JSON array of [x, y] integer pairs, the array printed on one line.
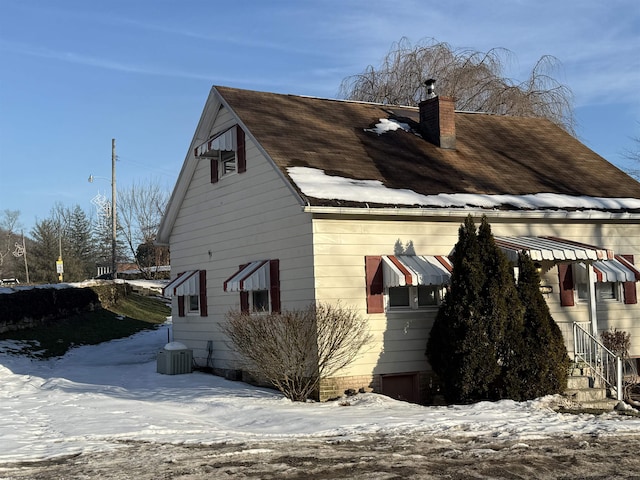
[[464, 212]]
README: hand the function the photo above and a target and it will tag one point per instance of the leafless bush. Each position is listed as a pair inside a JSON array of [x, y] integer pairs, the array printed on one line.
[[618, 341], [475, 79], [296, 348]]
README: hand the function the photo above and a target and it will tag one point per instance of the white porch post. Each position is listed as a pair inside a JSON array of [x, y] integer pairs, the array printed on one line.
[[591, 286]]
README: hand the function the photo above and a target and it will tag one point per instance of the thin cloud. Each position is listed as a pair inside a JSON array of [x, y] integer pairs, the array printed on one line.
[[79, 59], [244, 41]]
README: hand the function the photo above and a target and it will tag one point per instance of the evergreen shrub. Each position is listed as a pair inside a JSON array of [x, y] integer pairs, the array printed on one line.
[[491, 339]]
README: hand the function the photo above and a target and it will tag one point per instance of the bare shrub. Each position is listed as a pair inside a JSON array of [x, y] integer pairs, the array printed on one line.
[[618, 341], [296, 348]]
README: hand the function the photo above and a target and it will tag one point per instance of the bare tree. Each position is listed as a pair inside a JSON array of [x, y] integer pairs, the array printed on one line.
[[634, 155], [8, 225], [139, 213], [475, 79], [295, 349]]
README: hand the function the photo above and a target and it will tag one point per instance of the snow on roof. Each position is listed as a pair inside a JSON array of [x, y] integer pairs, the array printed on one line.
[[315, 183], [388, 125]]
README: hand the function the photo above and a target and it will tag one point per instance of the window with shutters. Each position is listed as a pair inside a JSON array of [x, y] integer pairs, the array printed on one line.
[[605, 290], [258, 284], [226, 153], [190, 289], [227, 163], [406, 283]]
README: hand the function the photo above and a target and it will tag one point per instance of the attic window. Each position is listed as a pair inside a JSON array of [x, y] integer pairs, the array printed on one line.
[[226, 152]]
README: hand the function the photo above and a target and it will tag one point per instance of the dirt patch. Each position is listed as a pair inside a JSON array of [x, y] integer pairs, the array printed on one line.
[[378, 458]]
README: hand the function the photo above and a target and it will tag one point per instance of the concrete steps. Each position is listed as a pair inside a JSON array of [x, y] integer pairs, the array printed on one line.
[[584, 394]]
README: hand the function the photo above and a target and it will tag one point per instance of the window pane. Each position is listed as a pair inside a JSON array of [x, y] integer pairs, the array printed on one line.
[[398, 296], [227, 161], [606, 290], [194, 304], [260, 300], [580, 273], [427, 295], [583, 291]]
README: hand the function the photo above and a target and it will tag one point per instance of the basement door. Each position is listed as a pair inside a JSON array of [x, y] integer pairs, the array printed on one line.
[[402, 386]]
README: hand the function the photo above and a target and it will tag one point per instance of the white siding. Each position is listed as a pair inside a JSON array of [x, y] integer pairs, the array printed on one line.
[[242, 217], [340, 246]]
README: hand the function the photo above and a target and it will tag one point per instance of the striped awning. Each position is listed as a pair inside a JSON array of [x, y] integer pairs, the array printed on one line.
[[616, 270], [403, 270], [227, 140], [551, 248], [253, 276], [186, 283]]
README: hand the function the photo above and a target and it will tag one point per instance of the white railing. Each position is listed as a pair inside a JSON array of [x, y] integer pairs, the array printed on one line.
[[605, 365]]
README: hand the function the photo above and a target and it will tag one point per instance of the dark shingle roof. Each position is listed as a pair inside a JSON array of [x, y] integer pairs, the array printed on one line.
[[494, 154]]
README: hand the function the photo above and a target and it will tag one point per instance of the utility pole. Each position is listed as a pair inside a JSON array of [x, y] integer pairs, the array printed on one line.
[[114, 216]]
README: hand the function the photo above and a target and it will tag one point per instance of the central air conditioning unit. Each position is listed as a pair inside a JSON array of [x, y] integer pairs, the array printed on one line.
[[174, 359]]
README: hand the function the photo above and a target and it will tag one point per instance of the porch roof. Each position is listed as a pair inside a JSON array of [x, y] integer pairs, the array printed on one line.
[[186, 283], [403, 270], [618, 269], [552, 248]]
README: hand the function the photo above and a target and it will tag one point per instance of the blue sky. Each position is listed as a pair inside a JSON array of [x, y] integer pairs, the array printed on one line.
[[75, 74]]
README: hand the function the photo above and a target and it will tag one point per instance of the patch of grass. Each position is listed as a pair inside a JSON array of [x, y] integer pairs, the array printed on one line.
[[130, 315], [139, 307]]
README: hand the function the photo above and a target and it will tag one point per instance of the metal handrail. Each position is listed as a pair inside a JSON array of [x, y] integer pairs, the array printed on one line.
[[605, 365]]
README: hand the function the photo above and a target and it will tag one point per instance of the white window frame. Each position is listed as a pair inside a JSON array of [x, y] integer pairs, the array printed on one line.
[[224, 159], [414, 298], [612, 288], [581, 287], [252, 302], [189, 310]]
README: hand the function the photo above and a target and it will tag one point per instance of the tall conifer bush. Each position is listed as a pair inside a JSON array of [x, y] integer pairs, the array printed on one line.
[[492, 339], [459, 348], [544, 354], [503, 315]]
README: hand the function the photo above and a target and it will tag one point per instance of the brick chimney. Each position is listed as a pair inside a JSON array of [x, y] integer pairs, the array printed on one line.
[[437, 119]]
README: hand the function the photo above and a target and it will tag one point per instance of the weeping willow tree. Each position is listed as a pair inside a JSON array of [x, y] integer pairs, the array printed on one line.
[[475, 79]]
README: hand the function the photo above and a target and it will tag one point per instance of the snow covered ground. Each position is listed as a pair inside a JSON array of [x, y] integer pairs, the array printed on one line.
[[96, 398]]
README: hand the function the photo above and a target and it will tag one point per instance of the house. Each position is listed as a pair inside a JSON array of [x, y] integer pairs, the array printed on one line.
[[285, 200]]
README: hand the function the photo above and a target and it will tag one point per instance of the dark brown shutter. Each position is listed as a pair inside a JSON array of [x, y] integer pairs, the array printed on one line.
[[203, 293], [181, 305], [214, 170], [274, 282], [244, 302], [240, 150], [565, 273], [629, 288], [375, 285]]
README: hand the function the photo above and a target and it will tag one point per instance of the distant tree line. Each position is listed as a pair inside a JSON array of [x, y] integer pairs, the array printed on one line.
[[84, 241]]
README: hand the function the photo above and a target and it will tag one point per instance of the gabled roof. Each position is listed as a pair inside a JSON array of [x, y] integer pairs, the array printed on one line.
[[494, 155], [499, 162]]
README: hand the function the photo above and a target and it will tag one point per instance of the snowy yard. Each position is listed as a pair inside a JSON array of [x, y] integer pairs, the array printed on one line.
[[98, 399]]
